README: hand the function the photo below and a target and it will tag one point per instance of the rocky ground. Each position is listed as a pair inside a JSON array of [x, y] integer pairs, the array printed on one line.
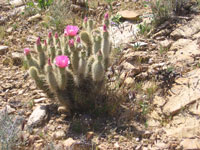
[[159, 77]]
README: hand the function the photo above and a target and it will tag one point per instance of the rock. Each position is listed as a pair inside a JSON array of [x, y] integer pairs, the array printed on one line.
[[166, 43], [40, 100], [128, 66], [59, 135], [38, 116], [89, 135], [130, 15], [183, 94], [190, 144], [116, 146], [17, 3], [195, 108], [69, 142], [183, 127], [9, 30], [34, 18], [76, 145], [123, 34], [8, 110], [159, 101], [63, 110], [3, 49], [129, 81], [17, 58], [186, 31]]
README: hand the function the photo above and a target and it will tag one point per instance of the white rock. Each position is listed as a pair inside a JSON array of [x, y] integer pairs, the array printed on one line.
[[59, 135], [3, 49], [190, 144], [34, 18], [39, 100], [17, 3], [38, 116], [7, 109]]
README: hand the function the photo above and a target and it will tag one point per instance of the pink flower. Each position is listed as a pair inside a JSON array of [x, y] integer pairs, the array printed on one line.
[[106, 16], [27, 51], [71, 30], [38, 41], [78, 39], [62, 61], [49, 61], [71, 42], [45, 42], [85, 19], [49, 34], [56, 35], [104, 28]]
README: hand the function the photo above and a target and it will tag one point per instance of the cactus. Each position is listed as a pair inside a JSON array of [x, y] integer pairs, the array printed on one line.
[[75, 69]]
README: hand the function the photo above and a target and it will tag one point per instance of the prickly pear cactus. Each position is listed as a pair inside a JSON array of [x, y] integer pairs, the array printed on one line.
[[72, 67]]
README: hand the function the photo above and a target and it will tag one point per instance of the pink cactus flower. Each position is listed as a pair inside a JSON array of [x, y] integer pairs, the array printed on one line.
[[71, 42], [71, 30], [38, 41], [106, 16], [45, 42], [62, 61], [56, 35], [49, 61], [104, 28], [85, 19], [78, 39], [49, 34], [27, 51]]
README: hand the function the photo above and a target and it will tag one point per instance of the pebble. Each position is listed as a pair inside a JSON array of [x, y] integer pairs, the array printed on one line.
[[3, 49]]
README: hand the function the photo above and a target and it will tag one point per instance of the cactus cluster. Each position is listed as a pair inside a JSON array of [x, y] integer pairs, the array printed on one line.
[[72, 67]]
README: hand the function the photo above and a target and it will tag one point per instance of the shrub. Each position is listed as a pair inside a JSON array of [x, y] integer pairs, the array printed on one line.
[[164, 9], [72, 68], [58, 15], [9, 131]]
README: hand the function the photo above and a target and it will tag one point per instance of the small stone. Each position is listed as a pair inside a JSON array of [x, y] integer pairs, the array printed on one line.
[[131, 15], [34, 18], [8, 109], [68, 143], [17, 3], [63, 110], [59, 135], [3, 49], [9, 30], [17, 58], [129, 81], [89, 135], [38, 146], [38, 116], [39, 100], [116, 146]]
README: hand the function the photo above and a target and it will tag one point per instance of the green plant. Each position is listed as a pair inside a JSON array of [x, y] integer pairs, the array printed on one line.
[[116, 19], [109, 2], [163, 50], [9, 131], [150, 91], [144, 28], [44, 4], [2, 32], [165, 9], [145, 107], [58, 15], [80, 85]]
